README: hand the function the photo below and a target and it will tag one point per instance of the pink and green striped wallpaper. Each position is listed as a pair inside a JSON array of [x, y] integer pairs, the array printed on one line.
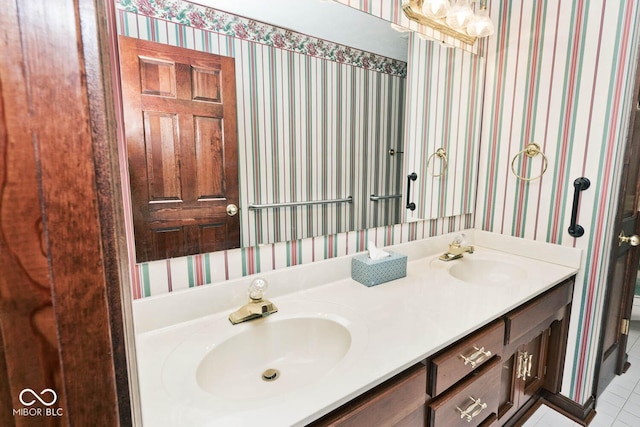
[[559, 73], [316, 120]]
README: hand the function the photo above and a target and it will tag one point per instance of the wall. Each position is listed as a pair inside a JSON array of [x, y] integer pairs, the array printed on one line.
[[559, 74], [308, 112]]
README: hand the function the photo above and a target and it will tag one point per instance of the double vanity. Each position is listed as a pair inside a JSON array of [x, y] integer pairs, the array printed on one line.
[[470, 341]]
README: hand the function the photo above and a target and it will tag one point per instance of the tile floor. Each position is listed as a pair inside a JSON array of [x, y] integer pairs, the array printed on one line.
[[619, 404]]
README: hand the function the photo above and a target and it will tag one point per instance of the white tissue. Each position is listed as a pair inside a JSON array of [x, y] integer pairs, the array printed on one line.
[[375, 253]]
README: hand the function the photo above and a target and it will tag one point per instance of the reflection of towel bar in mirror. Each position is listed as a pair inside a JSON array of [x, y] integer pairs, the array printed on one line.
[[531, 150], [441, 153], [375, 198], [311, 202]]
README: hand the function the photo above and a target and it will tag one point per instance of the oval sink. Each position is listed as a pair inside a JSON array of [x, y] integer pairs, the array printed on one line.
[[486, 271], [273, 356], [263, 359]]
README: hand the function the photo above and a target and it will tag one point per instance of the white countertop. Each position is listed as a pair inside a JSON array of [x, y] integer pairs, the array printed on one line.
[[406, 320]]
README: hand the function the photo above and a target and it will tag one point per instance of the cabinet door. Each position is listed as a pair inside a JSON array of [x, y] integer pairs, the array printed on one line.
[[510, 388], [523, 375], [533, 364]]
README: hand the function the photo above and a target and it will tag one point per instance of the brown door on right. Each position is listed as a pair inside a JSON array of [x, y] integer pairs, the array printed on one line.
[[180, 124], [623, 272]]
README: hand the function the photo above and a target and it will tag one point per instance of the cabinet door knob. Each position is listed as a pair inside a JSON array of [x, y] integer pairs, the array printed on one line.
[[632, 240]]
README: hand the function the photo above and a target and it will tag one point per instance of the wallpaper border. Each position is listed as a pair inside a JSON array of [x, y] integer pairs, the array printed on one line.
[[206, 18]]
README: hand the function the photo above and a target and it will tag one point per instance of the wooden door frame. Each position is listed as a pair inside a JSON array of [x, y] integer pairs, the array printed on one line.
[[70, 121], [633, 258]]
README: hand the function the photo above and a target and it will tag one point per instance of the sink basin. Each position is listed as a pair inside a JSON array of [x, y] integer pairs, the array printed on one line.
[[273, 356], [486, 271], [263, 359]]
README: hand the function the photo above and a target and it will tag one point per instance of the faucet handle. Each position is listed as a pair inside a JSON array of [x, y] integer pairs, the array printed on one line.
[[459, 240], [257, 288]]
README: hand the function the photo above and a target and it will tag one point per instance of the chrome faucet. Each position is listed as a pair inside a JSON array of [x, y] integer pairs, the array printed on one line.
[[256, 307], [456, 249]]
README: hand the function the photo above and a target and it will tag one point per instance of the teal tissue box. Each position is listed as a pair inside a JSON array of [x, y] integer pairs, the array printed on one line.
[[373, 272]]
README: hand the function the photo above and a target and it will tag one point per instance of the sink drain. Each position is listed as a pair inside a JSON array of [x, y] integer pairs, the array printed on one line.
[[270, 375]]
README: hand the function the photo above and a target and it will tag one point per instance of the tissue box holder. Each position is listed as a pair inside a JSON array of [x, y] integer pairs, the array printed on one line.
[[373, 272]]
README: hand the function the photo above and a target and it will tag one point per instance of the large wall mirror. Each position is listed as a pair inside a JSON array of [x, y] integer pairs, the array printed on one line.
[[321, 103]]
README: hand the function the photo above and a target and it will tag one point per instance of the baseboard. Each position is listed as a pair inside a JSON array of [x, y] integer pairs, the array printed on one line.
[[581, 414]]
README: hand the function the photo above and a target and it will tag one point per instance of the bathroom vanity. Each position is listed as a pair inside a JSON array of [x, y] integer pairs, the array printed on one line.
[[490, 377], [472, 341]]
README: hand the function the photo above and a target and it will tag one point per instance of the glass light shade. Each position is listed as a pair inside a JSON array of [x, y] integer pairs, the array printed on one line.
[[435, 8], [480, 25], [459, 14]]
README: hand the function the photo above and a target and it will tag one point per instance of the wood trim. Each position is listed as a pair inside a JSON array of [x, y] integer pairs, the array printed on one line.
[[62, 277], [581, 414], [95, 37]]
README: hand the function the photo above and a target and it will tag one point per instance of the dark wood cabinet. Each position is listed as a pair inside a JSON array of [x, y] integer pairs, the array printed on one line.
[[492, 376], [534, 351], [523, 375], [396, 402]]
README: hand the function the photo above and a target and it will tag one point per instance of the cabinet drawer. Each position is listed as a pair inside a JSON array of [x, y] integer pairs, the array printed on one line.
[[482, 387], [399, 401], [524, 319], [462, 358]]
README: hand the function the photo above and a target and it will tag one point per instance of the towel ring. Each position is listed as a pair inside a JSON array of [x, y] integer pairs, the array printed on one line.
[[442, 154], [531, 150]]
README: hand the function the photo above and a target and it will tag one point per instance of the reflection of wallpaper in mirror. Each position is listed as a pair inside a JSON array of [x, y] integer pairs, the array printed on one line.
[[444, 97], [315, 119]]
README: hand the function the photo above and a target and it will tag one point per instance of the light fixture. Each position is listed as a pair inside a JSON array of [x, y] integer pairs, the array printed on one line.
[[459, 15], [480, 24], [435, 8], [455, 18]]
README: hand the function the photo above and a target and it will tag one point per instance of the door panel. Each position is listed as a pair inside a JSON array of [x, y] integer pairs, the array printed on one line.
[[536, 350], [624, 260], [180, 125]]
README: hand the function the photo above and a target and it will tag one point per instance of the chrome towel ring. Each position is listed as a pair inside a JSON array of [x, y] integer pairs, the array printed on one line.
[[442, 154], [531, 150]]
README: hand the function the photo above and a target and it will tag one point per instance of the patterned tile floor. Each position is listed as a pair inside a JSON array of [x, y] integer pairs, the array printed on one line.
[[619, 404]]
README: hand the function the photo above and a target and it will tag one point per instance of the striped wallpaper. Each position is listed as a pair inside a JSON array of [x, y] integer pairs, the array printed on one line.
[[309, 127], [444, 110], [559, 73]]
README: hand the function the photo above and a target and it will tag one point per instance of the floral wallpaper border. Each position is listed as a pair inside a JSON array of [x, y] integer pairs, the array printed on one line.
[[206, 18]]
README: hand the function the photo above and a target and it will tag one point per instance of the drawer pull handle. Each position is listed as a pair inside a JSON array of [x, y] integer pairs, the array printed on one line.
[[477, 357], [473, 410]]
